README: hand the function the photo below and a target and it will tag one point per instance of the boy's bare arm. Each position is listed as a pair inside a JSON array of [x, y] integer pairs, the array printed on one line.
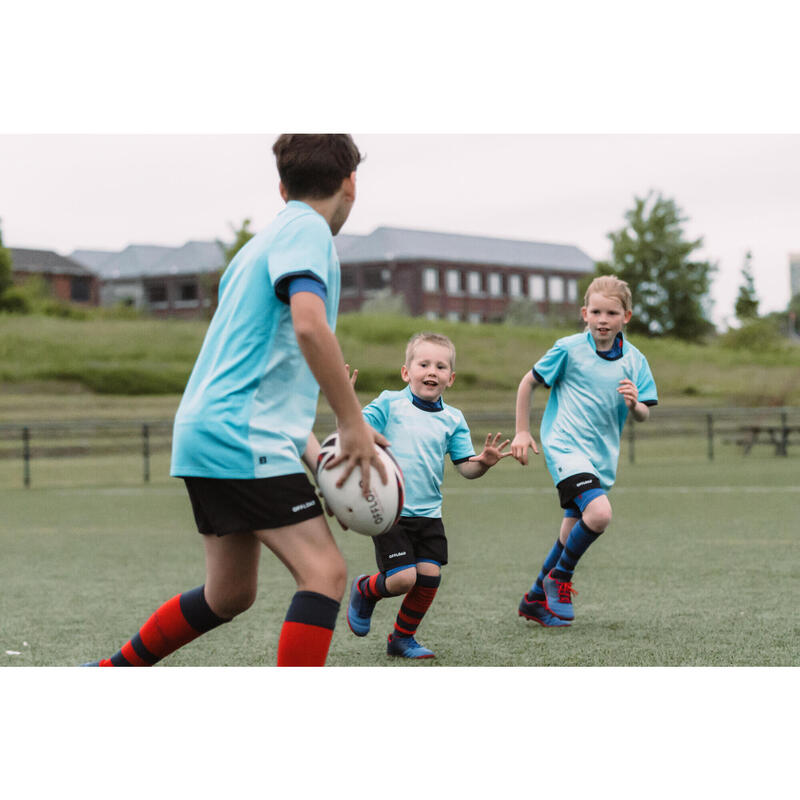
[[523, 438], [480, 464], [324, 357]]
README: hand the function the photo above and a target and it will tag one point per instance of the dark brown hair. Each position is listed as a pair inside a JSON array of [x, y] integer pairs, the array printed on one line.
[[315, 164]]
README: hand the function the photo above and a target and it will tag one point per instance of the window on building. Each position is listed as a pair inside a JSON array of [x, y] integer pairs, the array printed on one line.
[[349, 283], [157, 293], [475, 317], [80, 290], [572, 290], [555, 290], [432, 315], [188, 292], [536, 287], [430, 280], [495, 284], [453, 316], [453, 281], [514, 285], [474, 282], [375, 278]]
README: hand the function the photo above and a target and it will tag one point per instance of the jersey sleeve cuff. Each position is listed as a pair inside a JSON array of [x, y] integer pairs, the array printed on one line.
[[302, 281], [540, 379]]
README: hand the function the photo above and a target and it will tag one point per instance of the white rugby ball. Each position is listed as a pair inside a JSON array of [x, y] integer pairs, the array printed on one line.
[[370, 515]]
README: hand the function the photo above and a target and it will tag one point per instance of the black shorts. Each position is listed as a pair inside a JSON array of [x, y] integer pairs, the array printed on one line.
[[571, 487], [412, 539], [230, 505]]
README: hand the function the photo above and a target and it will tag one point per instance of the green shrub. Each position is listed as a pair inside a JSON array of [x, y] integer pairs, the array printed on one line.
[[757, 336]]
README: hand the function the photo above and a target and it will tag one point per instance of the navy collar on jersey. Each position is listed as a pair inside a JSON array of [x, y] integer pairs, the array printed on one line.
[[616, 349], [424, 404]]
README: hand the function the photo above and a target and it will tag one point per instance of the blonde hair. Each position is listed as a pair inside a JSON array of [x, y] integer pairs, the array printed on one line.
[[610, 286], [433, 338]]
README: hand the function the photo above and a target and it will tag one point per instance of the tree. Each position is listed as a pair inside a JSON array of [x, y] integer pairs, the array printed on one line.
[[6, 267], [746, 307], [670, 288], [242, 237], [210, 280]]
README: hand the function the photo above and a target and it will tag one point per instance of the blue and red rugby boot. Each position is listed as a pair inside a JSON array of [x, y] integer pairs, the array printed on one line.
[[359, 609], [558, 597], [537, 611], [406, 647]]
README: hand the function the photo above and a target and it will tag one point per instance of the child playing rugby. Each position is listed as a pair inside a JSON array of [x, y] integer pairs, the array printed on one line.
[[243, 427], [596, 378], [423, 430]]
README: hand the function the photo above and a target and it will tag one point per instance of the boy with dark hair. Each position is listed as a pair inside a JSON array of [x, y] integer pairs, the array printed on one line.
[[243, 427], [424, 430], [596, 378]]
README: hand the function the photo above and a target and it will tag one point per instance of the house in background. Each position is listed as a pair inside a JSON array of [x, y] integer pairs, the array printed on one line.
[[165, 281], [68, 280], [438, 275], [459, 277]]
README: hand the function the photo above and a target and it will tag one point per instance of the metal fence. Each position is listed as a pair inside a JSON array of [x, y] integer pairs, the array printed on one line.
[[110, 452]]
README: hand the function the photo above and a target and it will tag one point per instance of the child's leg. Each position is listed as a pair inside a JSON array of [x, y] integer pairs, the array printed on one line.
[[596, 511], [595, 519], [366, 590], [567, 523], [414, 607], [230, 588], [309, 551]]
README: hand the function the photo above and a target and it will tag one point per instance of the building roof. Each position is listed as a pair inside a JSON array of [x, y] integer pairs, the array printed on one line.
[[91, 259], [192, 258], [150, 260], [45, 262], [404, 244]]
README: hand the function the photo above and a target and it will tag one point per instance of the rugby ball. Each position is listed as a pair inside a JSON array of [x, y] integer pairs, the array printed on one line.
[[370, 515]]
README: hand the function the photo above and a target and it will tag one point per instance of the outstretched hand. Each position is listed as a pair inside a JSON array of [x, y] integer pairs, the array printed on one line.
[[492, 452], [519, 447]]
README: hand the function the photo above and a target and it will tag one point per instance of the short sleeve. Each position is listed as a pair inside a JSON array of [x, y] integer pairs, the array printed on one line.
[[646, 385], [459, 446], [302, 247], [377, 413], [550, 366]]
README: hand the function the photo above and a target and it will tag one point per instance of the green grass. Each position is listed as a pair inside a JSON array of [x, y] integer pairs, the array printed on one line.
[[155, 357], [700, 567]]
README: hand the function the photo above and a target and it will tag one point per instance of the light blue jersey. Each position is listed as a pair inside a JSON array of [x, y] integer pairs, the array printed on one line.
[[585, 414], [420, 440], [251, 399]]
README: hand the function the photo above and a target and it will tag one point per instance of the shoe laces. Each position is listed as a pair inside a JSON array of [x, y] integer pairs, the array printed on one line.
[[564, 591]]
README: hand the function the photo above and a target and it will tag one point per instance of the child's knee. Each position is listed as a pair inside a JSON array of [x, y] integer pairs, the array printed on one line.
[[233, 601], [402, 581], [597, 515]]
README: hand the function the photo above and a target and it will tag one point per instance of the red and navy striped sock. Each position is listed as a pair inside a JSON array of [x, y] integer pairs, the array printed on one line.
[[415, 604], [307, 630], [373, 587], [176, 623]]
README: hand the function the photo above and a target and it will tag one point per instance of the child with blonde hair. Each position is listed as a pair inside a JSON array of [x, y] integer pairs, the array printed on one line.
[[597, 377]]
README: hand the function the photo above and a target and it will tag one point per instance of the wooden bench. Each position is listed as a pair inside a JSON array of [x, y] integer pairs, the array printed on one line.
[[777, 435]]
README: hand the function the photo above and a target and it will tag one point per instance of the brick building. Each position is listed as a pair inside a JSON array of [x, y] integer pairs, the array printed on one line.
[[459, 277], [68, 280], [165, 281]]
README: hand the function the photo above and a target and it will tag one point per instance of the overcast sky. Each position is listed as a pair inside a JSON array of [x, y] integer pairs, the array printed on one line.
[[739, 192]]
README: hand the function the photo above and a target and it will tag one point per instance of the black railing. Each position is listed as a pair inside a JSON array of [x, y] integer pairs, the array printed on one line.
[[94, 452]]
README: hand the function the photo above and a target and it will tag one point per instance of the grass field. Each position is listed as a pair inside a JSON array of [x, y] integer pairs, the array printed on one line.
[[700, 567]]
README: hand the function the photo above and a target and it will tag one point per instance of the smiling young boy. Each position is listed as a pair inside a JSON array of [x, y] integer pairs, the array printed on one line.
[[597, 377], [422, 430]]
